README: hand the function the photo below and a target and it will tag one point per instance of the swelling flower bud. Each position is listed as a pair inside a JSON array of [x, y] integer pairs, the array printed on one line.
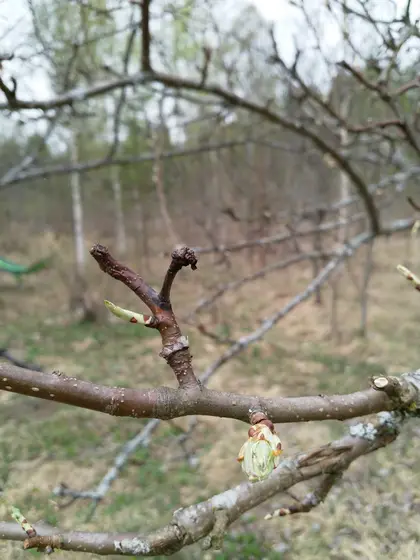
[[260, 455]]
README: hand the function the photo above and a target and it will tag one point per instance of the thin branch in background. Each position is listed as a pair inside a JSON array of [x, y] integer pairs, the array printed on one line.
[[413, 204], [183, 439], [318, 247], [4, 353], [123, 95], [236, 284], [202, 329], [210, 233], [97, 494], [364, 296], [335, 330], [388, 100], [193, 523], [311, 500], [279, 238], [31, 157], [64, 169], [269, 322]]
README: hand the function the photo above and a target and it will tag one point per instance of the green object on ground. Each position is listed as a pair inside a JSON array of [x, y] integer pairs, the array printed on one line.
[[19, 270]]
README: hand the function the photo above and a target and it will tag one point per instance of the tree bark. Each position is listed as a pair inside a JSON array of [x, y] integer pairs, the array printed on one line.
[[77, 205], [120, 232]]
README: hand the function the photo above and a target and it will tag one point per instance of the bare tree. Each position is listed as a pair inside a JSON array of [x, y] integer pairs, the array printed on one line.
[[372, 153]]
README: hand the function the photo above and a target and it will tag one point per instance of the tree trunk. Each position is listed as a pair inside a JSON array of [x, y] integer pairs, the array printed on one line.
[[141, 231], [158, 180], [79, 299], [120, 233], [78, 231], [364, 296], [345, 188]]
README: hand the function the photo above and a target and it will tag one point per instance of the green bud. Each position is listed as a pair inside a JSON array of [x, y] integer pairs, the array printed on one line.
[[130, 316], [260, 454]]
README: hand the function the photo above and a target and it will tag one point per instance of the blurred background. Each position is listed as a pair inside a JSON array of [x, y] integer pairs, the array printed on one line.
[[267, 135]]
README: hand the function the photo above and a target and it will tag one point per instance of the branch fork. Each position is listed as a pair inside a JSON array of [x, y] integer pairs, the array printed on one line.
[[175, 346]]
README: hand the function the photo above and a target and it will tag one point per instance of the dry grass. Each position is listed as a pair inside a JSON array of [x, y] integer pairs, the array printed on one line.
[[374, 513]]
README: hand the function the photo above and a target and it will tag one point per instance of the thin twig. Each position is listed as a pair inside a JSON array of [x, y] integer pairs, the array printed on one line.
[[311, 500], [141, 439], [4, 353]]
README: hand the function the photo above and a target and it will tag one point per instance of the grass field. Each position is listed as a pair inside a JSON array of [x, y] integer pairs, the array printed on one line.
[[373, 513]]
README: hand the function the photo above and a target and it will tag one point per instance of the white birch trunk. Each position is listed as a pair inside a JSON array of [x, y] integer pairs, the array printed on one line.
[[120, 233], [77, 205], [345, 191], [158, 180], [345, 187]]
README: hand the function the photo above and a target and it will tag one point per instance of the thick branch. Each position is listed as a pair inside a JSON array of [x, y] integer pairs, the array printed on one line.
[[192, 523], [166, 403], [134, 281]]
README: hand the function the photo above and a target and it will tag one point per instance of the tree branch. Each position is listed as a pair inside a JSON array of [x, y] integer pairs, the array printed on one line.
[[278, 238], [175, 347], [4, 353], [48, 171], [180, 258], [145, 36], [232, 99], [236, 284], [195, 522], [98, 493], [413, 204], [166, 403], [311, 500]]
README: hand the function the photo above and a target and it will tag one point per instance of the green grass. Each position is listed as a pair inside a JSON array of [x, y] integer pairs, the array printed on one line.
[[349, 372], [147, 491], [246, 545]]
